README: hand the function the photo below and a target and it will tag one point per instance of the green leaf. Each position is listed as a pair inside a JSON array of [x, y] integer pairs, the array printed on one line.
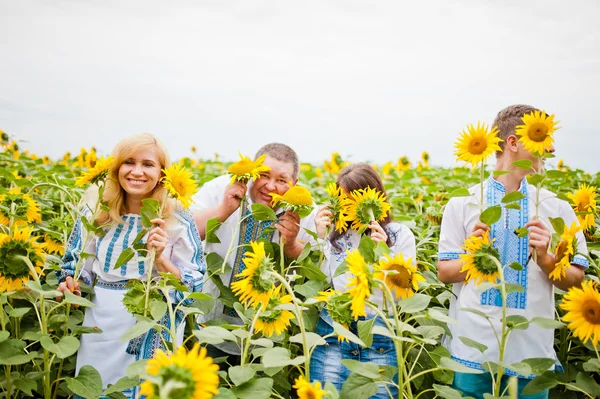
[[513, 205], [540, 365], [555, 174], [459, 192], [415, 303], [451, 364], [139, 236], [366, 247], [475, 311], [256, 389], [365, 328], [77, 300], [37, 288], [341, 269], [280, 357], [212, 225], [121, 385], [521, 232], [520, 368], [541, 383], [63, 349], [491, 215], [446, 392], [214, 335], [312, 339], [332, 393], [12, 352], [343, 332], [358, 387], [25, 385], [473, 344], [158, 309], [525, 164], [305, 252], [558, 224], [512, 197], [311, 288], [149, 211], [514, 288], [501, 172], [548, 323], [516, 266], [88, 383], [125, 256], [141, 327], [369, 370], [309, 270], [18, 312], [225, 393], [263, 212], [517, 321], [241, 374], [4, 335], [536, 179], [592, 366]]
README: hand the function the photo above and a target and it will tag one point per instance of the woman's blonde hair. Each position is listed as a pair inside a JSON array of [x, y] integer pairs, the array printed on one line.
[[114, 195]]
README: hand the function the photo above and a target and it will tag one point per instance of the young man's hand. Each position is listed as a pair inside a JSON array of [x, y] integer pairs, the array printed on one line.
[[540, 238], [479, 229]]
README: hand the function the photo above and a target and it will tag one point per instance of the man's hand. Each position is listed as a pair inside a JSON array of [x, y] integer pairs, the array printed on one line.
[[68, 285], [479, 229], [539, 241], [289, 227], [231, 200]]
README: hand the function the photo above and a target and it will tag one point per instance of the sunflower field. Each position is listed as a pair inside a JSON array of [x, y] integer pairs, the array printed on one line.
[[39, 335]]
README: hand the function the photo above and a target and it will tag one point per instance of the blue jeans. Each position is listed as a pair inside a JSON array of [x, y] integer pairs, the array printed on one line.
[[476, 385], [326, 360]]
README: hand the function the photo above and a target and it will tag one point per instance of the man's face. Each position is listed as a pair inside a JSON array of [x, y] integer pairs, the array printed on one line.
[[277, 180]]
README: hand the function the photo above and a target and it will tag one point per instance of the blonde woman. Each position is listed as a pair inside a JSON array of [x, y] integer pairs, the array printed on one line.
[[135, 175]]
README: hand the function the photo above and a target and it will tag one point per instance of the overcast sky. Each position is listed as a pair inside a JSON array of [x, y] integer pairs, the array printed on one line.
[[373, 80]]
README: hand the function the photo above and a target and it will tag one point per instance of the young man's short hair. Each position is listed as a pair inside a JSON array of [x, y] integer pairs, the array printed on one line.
[[281, 152], [508, 119]]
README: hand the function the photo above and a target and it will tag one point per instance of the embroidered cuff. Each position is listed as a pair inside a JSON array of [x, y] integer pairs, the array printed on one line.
[[581, 261], [449, 255]]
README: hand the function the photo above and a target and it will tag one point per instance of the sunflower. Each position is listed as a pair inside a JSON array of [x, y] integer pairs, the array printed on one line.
[[296, 199], [477, 143], [252, 287], [387, 169], [246, 169], [564, 251], [584, 200], [14, 271], [583, 311], [561, 165], [476, 261], [306, 390], [91, 158], [181, 185], [338, 307], [52, 246], [361, 285], [335, 164], [425, 159], [338, 206], [275, 321], [536, 132], [318, 173], [22, 207], [405, 279], [193, 148], [191, 375], [365, 205], [97, 173], [403, 163]]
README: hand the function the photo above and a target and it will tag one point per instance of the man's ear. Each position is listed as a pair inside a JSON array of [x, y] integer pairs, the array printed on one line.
[[294, 182], [511, 144]]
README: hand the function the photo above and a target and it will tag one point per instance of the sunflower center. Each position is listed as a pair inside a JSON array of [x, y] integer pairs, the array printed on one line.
[[538, 132], [591, 311], [402, 279], [477, 146]]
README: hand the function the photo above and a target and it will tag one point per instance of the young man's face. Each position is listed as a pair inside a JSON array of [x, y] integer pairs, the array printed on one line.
[[277, 180], [537, 163]]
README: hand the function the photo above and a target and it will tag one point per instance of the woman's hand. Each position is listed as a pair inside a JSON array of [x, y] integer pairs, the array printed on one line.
[[377, 232], [68, 285], [323, 221], [157, 238]]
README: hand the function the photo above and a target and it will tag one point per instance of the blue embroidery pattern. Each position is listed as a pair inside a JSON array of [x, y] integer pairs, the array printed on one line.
[[512, 248], [126, 240], [111, 246]]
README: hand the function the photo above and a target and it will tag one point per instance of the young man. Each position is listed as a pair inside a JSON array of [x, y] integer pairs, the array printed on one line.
[[219, 198], [461, 220]]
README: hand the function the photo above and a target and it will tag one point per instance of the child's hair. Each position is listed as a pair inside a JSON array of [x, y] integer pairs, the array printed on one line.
[[357, 176], [114, 195]]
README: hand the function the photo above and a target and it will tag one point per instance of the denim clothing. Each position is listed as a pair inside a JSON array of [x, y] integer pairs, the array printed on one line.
[[325, 362], [476, 385]]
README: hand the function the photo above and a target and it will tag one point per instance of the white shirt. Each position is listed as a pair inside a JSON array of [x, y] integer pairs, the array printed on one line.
[[210, 196], [460, 216]]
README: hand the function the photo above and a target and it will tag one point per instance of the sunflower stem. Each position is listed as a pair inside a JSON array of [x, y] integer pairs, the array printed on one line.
[[504, 334], [151, 260], [246, 346], [234, 235], [281, 256], [300, 317], [481, 178]]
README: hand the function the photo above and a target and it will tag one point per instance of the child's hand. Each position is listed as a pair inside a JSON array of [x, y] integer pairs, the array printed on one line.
[[377, 232], [323, 221]]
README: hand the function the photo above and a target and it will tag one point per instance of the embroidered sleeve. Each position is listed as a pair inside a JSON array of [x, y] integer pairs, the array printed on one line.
[[73, 251], [452, 234], [188, 256]]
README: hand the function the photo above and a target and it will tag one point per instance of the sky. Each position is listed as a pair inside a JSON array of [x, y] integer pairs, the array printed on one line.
[[372, 80]]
